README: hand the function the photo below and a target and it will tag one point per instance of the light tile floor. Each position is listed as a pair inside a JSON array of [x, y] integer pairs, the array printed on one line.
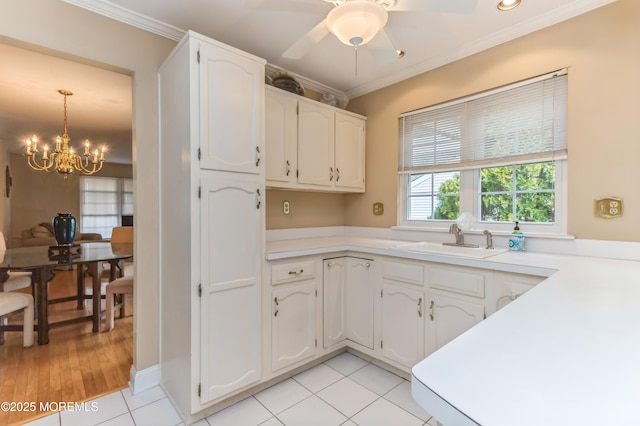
[[344, 390]]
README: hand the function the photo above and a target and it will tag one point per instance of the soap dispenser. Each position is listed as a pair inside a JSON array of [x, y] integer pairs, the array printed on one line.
[[516, 239]]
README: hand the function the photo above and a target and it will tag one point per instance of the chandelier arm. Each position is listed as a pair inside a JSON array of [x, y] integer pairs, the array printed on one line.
[[33, 163]]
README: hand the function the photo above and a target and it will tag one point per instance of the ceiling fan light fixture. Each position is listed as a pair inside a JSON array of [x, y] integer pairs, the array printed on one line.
[[508, 4], [356, 22]]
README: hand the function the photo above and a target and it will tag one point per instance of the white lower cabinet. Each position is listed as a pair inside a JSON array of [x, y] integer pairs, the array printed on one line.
[[395, 310], [293, 318], [456, 302], [334, 293], [360, 292], [401, 316], [507, 287], [402, 334], [449, 317], [348, 301]]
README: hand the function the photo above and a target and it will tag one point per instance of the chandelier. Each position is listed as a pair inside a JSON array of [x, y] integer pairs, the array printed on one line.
[[63, 159]]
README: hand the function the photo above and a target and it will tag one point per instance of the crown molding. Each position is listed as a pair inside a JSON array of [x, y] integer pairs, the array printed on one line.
[[542, 21], [129, 17], [119, 13]]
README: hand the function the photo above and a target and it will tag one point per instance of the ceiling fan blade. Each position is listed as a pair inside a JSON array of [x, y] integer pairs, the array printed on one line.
[[448, 6], [301, 47], [382, 48]]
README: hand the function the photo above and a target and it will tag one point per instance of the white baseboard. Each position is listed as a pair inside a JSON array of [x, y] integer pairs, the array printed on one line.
[[145, 379]]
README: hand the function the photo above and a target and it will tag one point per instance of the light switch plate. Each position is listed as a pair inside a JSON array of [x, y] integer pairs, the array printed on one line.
[[608, 208], [378, 209]]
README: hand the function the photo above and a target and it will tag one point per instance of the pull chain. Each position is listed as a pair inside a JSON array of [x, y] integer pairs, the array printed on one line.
[[355, 41], [356, 61]]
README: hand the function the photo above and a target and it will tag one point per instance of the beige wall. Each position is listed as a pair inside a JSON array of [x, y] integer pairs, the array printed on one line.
[[77, 34], [600, 49], [308, 209], [37, 196]]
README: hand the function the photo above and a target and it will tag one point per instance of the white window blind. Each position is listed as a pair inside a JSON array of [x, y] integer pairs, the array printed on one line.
[[103, 202], [519, 123]]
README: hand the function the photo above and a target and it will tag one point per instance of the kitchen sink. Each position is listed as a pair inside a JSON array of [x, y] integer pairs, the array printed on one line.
[[450, 250]]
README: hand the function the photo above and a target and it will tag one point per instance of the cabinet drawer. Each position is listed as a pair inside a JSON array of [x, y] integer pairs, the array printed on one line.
[[410, 273], [457, 281], [290, 272]]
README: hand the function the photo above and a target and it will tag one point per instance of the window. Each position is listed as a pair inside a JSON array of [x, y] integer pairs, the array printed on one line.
[[499, 155], [434, 195], [103, 202]]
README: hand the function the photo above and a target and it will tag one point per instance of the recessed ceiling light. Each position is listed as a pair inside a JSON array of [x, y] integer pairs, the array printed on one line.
[[508, 4]]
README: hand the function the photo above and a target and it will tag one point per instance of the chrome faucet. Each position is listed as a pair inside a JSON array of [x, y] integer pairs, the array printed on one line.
[[455, 230], [489, 239]]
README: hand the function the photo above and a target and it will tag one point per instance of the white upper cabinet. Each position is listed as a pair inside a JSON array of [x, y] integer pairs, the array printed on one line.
[[281, 136], [312, 146], [316, 138], [349, 152], [232, 96]]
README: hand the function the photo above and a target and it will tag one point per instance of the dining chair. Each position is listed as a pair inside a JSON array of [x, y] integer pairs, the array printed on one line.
[[121, 235], [12, 302], [17, 279], [120, 287]]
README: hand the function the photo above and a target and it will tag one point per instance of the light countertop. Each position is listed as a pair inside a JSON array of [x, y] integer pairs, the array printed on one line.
[[565, 353]]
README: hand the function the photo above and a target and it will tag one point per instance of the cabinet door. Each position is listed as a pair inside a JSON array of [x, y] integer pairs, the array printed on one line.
[[293, 326], [350, 152], [231, 111], [281, 136], [507, 287], [450, 317], [359, 296], [335, 302], [315, 144], [230, 270], [402, 338]]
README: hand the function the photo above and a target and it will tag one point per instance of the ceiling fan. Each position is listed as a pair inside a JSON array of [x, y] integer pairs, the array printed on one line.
[[359, 22]]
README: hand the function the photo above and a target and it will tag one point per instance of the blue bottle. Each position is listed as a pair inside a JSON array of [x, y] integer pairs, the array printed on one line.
[[516, 239]]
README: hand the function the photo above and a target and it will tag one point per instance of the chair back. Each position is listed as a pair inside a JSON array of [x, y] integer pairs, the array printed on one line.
[[122, 234]]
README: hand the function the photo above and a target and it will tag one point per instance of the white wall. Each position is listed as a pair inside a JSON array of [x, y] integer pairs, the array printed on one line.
[[57, 28]]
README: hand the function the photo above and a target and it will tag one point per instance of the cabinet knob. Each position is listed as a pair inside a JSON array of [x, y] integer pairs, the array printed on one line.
[[337, 174], [431, 310], [288, 167], [258, 198], [420, 307], [330, 174], [275, 308], [296, 272], [257, 156]]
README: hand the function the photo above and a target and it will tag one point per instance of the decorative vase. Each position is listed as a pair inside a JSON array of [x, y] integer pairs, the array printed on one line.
[[64, 229]]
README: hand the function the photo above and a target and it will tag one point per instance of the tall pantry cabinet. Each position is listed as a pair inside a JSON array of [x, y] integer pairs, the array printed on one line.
[[211, 221]]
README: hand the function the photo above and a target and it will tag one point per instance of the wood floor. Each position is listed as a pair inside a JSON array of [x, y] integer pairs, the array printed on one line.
[[77, 365]]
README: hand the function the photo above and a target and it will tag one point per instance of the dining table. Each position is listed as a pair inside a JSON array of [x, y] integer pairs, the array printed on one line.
[[42, 261]]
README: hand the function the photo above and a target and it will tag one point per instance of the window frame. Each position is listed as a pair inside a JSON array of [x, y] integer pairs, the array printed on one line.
[[470, 202]]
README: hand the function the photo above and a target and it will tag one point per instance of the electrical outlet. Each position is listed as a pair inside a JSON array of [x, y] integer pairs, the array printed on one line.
[[378, 209], [286, 207], [608, 208]]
